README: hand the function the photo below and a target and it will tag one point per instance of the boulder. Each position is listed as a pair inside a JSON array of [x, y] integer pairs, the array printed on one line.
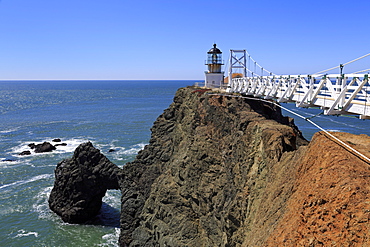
[[44, 147], [27, 152], [60, 144], [57, 140], [8, 160], [32, 145], [80, 184]]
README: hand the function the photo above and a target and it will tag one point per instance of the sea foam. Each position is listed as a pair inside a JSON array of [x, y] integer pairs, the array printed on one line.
[[125, 153], [20, 182], [72, 144], [23, 233], [111, 239]]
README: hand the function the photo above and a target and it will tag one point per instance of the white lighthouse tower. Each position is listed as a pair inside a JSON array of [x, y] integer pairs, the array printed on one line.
[[214, 75]]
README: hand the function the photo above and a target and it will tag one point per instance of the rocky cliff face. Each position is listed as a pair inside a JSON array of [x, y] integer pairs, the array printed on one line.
[[208, 160], [225, 171]]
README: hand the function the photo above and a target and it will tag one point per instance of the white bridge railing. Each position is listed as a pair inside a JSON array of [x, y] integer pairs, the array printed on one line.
[[336, 94]]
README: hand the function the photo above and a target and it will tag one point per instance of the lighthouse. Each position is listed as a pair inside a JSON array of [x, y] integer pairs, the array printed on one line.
[[214, 75]]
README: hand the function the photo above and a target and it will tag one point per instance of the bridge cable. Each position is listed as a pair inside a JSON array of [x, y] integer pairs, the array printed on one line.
[[256, 64], [326, 70], [354, 60], [322, 112], [368, 71], [349, 148]]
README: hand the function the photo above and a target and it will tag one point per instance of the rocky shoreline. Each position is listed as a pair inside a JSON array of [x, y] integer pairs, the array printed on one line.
[[222, 171]]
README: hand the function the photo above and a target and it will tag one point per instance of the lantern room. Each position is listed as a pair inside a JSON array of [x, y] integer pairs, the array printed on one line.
[[214, 60]]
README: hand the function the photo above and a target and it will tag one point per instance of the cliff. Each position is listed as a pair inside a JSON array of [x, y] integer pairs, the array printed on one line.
[[205, 176], [225, 171]]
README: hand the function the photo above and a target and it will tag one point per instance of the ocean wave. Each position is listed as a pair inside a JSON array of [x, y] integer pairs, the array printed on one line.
[[122, 153], [134, 149], [23, 233], [7, 210], [113, 198], [33, 179], [8, 130], [341, 122], [5, 162], [41, 207], [72, 144], [111, 239]]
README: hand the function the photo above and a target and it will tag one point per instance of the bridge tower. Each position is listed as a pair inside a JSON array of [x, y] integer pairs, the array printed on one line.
[[214, 75], [238, 60]]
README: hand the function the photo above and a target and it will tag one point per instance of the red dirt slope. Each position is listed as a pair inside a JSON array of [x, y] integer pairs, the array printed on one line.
[[330, 205]]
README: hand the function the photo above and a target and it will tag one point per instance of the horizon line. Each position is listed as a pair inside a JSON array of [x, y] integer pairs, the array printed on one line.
[[100, 80]]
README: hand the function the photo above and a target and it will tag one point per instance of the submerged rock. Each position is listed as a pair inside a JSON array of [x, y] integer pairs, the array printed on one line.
[[32, 145], [27, 152], [60, 144], [80, 184], [44, 147], [8, 160]]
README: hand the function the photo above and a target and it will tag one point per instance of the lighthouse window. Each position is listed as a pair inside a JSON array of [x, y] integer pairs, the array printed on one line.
[[214, 59]]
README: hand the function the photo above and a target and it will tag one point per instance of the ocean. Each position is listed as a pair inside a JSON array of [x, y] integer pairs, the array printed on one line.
[[112, 115]]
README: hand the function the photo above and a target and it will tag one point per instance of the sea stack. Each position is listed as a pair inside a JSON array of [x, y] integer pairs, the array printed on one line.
[[80, 184]]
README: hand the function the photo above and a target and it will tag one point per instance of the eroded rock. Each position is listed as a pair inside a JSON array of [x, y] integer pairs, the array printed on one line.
[[80, 184]]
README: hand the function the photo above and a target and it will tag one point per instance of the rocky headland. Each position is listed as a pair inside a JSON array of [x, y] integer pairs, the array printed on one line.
[[225, 171]]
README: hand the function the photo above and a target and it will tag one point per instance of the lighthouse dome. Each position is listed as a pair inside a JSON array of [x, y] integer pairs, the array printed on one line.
[[214, 50]]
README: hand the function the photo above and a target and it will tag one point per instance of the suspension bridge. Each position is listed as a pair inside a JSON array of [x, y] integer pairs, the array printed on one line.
[[335, 94]]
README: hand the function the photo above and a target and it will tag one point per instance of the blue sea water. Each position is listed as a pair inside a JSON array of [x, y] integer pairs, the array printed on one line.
[[112, 115], [350, 124]]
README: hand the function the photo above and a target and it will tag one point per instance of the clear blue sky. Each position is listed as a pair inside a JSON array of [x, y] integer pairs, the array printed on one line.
[[158, 39]]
